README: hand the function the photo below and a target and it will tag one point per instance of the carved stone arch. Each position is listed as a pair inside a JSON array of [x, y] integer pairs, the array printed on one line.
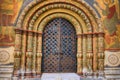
[[82, 17], [34, 18], [77, 25], [31, 8]]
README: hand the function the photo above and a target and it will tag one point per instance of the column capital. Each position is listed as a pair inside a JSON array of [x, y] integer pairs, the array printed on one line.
[[29, 54], [30, 33], [80, 55], [101, 55], [17, 54], [39, 54], [39, 34]]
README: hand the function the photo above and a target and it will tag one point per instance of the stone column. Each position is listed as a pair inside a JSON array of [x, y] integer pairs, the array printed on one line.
[[101, 54], [17, 54], [39, 54], [29, 55], [34, 54], [23, 53], [95, 53], [84, 49], [79, 55], [89, 53]]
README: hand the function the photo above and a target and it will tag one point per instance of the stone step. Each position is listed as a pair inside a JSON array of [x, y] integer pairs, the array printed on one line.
[[117, 68], [6, 72], [112, 71], [6, 65], [5, 75], [5, 79], [6, 69], [3, 69], [113, 77], [32, 79], [16, 78]]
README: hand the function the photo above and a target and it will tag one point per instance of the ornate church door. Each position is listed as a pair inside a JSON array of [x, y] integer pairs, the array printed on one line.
[[59, 47]]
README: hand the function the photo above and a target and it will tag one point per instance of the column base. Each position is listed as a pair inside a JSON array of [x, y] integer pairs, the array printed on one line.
[[101, 74], [16, 73], [38, 75], [28, 75], [80, 73]]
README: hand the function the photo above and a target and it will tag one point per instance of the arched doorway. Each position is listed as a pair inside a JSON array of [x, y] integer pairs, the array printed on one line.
[[32, 21], [59, 47]]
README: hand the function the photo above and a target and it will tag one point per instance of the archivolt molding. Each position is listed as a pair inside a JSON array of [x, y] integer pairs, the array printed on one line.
[[79, 7], [74, 19], [82, 17], [75, 23]]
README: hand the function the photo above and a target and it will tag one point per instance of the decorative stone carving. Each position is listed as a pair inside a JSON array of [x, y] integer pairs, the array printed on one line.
[[79, 63], [85, 67], [34, 54], [39, 54], [29, 53], [101, 54], [4, 56], [113, 59], [68, 17], [79, 55], [17, 62], [70, 2], [39, 58], [23, 50], [29, 61], [95, 52]]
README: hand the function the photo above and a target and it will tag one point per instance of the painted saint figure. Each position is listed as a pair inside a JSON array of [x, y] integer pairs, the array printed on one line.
[[8, 12], [109, 11]]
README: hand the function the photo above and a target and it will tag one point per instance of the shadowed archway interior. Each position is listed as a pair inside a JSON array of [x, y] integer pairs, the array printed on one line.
[[59, 47]]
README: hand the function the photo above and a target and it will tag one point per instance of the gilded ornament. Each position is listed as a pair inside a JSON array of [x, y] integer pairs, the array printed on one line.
[[79, 12], [44, 9], [101, 64], [17, 54], [29, 54], [39, 55], [89, 55], [39, 12], [74, 10], [101, 55], [79, 55]]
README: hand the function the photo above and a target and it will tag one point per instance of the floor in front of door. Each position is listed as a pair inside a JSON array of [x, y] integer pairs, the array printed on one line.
[[60, 76]]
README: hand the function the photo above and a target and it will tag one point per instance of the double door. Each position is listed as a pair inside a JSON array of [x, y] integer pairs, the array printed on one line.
[[59, 47]]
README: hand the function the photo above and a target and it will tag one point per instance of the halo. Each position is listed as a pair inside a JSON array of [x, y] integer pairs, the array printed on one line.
[[108, 1]]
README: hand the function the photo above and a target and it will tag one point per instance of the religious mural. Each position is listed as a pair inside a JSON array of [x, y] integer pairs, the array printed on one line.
[[9, 10], [109, 11], [110, 16]]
